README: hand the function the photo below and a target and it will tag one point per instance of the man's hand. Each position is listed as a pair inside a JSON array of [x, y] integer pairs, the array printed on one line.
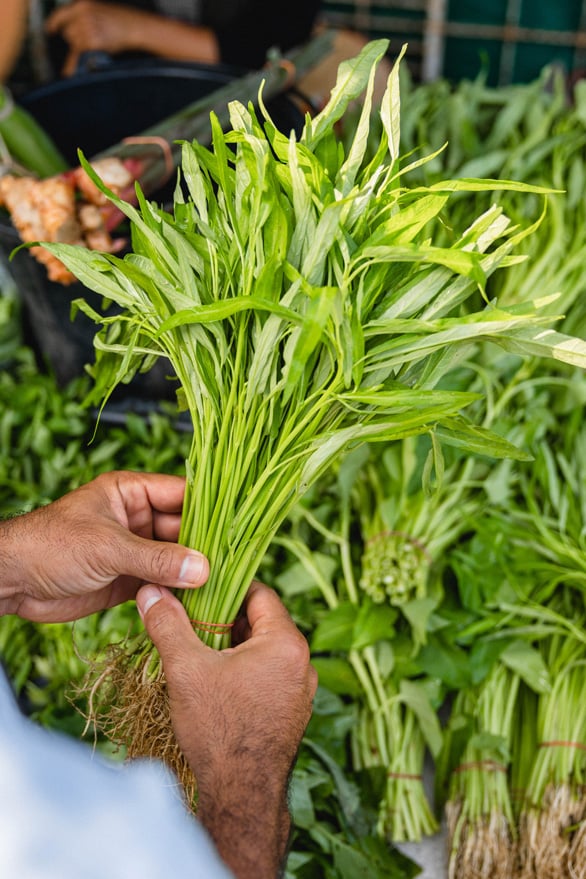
[[95, 546], [90, 25], [239, 715]]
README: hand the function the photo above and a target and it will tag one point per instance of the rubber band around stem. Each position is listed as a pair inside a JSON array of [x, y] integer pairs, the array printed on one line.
[[156, 141], [404, 776], [406, 537], [213, 628], [290, 69], [561, 744], [488, 765]]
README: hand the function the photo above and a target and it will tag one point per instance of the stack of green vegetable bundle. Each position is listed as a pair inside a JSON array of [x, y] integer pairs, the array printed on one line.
[[530, 609], [535, 133]]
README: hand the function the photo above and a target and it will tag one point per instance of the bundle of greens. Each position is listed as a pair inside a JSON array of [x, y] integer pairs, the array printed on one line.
[[553, 814], [480, 822], [363, 648], [548, 528], [299, 296], [406, 524]]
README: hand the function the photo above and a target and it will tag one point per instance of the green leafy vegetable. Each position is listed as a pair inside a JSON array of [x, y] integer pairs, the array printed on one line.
[[300, 315]]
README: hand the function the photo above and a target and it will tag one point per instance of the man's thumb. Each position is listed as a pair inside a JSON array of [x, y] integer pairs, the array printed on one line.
[[164, 618], [155, 561]]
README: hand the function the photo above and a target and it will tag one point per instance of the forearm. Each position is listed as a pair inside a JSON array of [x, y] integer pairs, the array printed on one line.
[[175, 40], [250, 827], [13, 15], [14, 554], [239, 716]]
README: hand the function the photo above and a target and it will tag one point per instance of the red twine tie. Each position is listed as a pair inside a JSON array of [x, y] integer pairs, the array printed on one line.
[[214, 628], [156, 141], [560, 744], [489, 765], [404, 775]]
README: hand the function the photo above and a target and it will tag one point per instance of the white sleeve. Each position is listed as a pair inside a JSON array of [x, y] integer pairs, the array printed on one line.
[[66, 813]]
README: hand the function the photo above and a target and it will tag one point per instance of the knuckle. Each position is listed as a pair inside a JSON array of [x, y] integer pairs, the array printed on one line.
[[160, 624], [295, 651], [157, 619], [160, 621], [162, 562], [313, 680]]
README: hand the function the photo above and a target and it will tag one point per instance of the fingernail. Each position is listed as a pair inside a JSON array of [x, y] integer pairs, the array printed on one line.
[[147, 596], [194, 568]]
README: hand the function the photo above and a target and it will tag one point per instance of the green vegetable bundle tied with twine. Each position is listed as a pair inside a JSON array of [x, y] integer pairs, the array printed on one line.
[[304, 309]]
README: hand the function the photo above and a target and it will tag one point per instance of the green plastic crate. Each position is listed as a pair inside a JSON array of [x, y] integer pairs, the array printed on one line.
[[512, 40]]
